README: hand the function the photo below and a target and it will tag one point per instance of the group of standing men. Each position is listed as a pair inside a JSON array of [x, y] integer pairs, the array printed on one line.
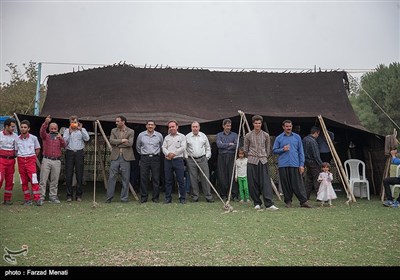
[[26, 149], [293, 154], [153, 148]]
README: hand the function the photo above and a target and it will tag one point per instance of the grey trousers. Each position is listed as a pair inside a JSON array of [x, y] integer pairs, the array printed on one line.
[[119, 166]]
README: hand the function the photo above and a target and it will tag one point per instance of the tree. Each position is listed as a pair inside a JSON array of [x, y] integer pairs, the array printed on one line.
[[383, 87], [18, 96]]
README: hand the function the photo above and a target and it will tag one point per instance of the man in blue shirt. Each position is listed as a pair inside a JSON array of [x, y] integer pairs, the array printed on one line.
[[226, 142], [289, 147]]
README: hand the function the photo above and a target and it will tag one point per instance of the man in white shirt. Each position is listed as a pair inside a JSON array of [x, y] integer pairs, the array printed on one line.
[[198, 151], [7, 158], [28, 149], [174, 147]]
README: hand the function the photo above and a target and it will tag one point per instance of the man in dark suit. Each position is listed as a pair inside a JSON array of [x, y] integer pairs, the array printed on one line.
[[121, 140]]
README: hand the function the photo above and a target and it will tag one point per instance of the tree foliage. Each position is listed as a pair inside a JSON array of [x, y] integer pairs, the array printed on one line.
[[383, 87], [18, 96]]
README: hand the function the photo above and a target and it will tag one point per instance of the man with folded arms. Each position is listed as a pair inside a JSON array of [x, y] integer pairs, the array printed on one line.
[[50, 169]]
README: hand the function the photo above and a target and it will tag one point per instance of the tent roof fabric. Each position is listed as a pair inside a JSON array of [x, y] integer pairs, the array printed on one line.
[[186, 95]]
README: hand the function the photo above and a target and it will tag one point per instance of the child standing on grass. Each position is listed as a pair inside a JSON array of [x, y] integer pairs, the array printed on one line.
[[241, 176], [326, 191]]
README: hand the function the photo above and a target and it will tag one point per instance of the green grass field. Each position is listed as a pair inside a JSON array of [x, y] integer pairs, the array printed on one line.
[[198, 234]]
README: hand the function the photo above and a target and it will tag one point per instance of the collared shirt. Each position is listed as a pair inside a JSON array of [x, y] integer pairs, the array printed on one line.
[[7, 144], [295, 156], [149, 144], [223, 141], [75, 140], [198, 145], [51, 147], [26, 147], [241, 167], [257, 146], [396, 161], [174, 144], [322, 144], [311, 151]]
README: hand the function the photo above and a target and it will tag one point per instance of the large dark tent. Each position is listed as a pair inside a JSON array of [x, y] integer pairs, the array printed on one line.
[[208, 96]]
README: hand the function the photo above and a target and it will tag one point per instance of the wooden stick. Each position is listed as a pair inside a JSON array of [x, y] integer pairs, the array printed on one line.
[[103, 168], [385, 174], [372, 173], [338, 163], [104, 135], [275, 189], [205, 176], [95, 163]]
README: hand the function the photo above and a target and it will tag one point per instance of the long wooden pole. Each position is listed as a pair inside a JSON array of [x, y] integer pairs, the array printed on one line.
[[103, 169], [338, 163], [109, 146], [385, 174], [95, 163]]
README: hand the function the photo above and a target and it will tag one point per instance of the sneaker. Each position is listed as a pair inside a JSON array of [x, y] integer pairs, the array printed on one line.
[[257, 207], [39, 202], [248, 201], [7, 202], [388, 203], [69, 199], [27, 203], [272, 207], [396, 204], [241, 201], [78, 199], [55, 200]]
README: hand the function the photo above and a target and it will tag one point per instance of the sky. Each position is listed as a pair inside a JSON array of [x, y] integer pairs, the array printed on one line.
[[68, 36]]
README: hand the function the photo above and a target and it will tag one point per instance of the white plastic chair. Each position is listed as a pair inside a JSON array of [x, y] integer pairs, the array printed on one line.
[[355, 171], [392, 187]]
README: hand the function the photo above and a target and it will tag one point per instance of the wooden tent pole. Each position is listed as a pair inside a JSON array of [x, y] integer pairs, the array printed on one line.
[[95, 164], [386, 172], [338, 163], [372, 173], [102, 165], [109, 146]]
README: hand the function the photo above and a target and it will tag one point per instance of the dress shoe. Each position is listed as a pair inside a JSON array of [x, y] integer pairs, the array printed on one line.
[[107, 201], [306, 205], [143, 200], [194, 200]]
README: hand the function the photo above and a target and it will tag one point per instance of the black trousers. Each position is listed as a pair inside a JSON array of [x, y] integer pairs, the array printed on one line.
[[292, 183], [74, 161]]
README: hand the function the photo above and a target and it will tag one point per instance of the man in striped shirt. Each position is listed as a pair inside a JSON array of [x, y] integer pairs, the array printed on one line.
[[257, 145]]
